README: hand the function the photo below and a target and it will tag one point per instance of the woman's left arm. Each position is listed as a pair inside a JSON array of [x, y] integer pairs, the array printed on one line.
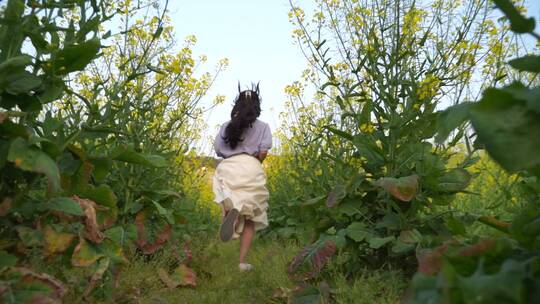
[[262, 155]]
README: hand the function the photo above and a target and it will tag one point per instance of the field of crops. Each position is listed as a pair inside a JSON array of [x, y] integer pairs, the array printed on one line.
[[407, 168]]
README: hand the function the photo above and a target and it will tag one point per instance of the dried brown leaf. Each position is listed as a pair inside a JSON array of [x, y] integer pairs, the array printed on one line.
[[58, 289], [92, 231], [161, 238], [5, 206]]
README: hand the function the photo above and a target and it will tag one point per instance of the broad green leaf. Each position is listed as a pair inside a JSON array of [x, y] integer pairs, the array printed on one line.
[[164, 212], [76, 57], [314, 200], [391, 221], [518, 23], [341, 133], [454, 180], [530, 95], [53, 88], [102, 167], [66, 205], [15, 64], [112, 250], [402, 188], [117, 234], [529, 63], [357, 231], [508, 129], [378, 242], [20, 82], [450, 119], [31, 159], [7, 260], [401, 247], [455, 226], [13, 130], [128, 154], [483, 286]]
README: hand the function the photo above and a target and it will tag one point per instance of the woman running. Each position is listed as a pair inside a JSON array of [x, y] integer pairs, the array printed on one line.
[[239, 182]]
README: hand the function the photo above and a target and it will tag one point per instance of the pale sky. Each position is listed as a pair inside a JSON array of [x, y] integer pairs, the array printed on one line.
[[256, 37]]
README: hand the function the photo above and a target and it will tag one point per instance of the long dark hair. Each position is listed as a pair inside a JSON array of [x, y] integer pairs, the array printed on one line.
[[246, 109]]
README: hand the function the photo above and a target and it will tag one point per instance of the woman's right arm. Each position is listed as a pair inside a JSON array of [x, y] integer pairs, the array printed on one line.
[[266, 143]]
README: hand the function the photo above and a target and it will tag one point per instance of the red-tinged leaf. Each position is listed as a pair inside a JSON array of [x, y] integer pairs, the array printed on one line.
[[166, 279], [85, 254], [185, 275], [285, 294], [182, 276], [139, 223], [477, 249], [430, 261], [160, 239], [186, 255], [56, 242], [314, 256], [5, 206], [402, 188], [102, 266], [58, 289], [92, 231], [495, 223], [336, 195]]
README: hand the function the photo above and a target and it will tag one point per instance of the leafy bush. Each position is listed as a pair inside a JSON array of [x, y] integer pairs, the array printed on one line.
[[503, 269], [89, 135], [360, 160]]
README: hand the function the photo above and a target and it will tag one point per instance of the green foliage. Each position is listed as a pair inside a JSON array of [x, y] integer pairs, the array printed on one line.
[[502, 269], [365, 144], [88, 149]]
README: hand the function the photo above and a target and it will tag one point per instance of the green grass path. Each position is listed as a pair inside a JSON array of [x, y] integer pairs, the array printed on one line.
[[220, 281]]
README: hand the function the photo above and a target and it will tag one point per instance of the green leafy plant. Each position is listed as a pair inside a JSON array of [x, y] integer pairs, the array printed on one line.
[[365, 170], [502, 269], [83, 174]]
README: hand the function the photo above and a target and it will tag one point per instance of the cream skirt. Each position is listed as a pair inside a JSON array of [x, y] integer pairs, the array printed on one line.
[[240, 183]]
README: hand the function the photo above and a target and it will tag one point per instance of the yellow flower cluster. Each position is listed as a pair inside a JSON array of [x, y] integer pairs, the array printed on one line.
[[367, 128], [412, 21], [293, 89], [296, 13], [429, 87], [332, 3]]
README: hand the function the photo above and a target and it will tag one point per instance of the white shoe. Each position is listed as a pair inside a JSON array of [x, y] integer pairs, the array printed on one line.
[[245, 267]]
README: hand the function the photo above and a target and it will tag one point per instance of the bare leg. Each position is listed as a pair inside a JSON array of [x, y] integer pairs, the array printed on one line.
[[246, 238]]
